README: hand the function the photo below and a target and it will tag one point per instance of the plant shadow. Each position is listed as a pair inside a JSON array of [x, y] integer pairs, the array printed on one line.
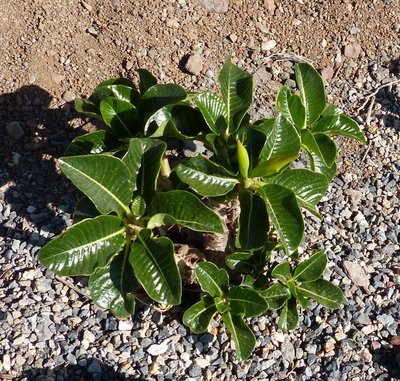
[[35, 199]]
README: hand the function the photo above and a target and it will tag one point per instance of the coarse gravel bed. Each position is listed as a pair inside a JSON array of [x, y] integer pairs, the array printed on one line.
[[49, 330]]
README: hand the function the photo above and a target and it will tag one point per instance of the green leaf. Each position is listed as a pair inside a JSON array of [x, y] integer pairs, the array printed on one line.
[[237, 93], [205, 177], [340, 125], [308, 186], [276, 295], [158, 96], [242, 335], [285, 215], [120, 116], [125, 93], [312, 91], [178, 121], [319, 166], [324, 292], [138, 206], [289, 316], [104, 179], [213, 110], [93, 142], [146, 80], [239, 261], [320, 145], [105, 89], [281, 147], [155, 268], [110, 286], [85, 106], [291, 107], [198, 316], [211, 278], [253, 225], [185, 209], [246, 302], [84, 209], [143, 160], [84, 247], [312, 268], [282, 272], [243, 159]]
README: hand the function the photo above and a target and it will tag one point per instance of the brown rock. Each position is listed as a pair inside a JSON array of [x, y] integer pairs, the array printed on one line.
[[57, 78], [327, 73], [217, 6], [352, 50], [270, 5], [356, 273], [68, 96]]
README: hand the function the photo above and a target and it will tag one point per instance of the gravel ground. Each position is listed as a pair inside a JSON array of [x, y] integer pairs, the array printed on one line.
[[49, 330]]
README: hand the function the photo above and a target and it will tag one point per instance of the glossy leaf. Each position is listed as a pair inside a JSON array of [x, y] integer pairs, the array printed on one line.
[[213, 110], [319, 166], [308, 186], [312, 268], [319, 145], [285, 215], [155, 268], [282, 146], [85, 209], [276, 295], [253, 222], [242, 335], [85, 106], [239, 261], [146, 80], [158, 96], [237, 92], [340, 125], [243, 159], [104, 89], [177, 121], [289, 317], [246, 302], [120, 116], [125, 93], [205, 177], [211, 278], [110, 286], [198, 316], [185, 209], [282, 272], [84, 247], [104, 179], [291, 107], [312, 91], [138, 206], [93, 142], [143, 160], [324, 292]]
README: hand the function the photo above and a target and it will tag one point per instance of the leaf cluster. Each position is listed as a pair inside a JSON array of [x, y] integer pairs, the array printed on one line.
[[133, 190]]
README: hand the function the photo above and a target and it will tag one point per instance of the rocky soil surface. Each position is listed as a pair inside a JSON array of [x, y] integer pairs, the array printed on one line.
[[52, 51]]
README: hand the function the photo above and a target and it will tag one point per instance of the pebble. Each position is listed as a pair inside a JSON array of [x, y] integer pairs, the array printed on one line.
[[268, 45], [57, 78], [68, 96], [356, 273], [15, 130], [158, 349], [194, 64], [125, 325], [217, 6], [352, 50]]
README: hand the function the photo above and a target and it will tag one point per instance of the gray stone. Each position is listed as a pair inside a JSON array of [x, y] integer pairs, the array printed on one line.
[[217, 6], [15, 130]]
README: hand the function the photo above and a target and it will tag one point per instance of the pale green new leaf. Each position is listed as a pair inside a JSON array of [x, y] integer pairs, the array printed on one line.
[[237, 92], [155, 268], [103, 178], [185, 209], [205, 177], [211, 278], [110, 286], [84, 247], [285, 215], [312, 268], [312, 91], [242, 335]]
